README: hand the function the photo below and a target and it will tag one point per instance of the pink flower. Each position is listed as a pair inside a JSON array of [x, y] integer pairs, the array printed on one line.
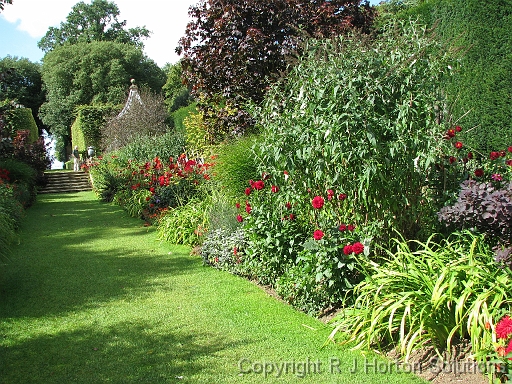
[[318, 234], [317, 202], [347, 249], [358, 248], [497, 177], [330, 194], [504, 328]]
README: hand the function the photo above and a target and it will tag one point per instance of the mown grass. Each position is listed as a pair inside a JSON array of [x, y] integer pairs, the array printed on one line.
[[90, 296]]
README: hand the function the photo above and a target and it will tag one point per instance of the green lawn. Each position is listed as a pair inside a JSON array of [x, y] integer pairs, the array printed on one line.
[[90, 296]]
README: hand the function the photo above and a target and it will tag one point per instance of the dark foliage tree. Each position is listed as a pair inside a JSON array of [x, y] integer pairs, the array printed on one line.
[[3, 2], [20, 81], [93, 22], [233, 50], [90, 73]]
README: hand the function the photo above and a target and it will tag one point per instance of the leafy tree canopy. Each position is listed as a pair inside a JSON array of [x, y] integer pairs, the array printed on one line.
[[20, 81], [233, 50], [3, 2], [91, 73], [237, 48], [93, 22], [176, 94]]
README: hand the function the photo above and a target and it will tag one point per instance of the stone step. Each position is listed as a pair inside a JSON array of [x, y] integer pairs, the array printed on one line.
[[66, 181]]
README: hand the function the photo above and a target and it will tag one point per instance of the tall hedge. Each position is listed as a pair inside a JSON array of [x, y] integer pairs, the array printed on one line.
[[86, 129], [21, 119], [481, 90]]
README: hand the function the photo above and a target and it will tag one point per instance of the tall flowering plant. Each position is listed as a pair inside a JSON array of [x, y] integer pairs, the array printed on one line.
[[292, 229], [497, 358]]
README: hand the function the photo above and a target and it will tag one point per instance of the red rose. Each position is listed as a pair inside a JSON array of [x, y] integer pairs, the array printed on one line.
[[479, 172], [318, 234], [259, 185], [317, 202]]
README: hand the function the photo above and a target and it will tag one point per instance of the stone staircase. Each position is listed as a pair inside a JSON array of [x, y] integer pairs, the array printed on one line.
[[66, 181]]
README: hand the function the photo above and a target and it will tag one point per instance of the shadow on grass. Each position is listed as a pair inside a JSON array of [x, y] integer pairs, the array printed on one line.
[[124, 353], [100, 255]]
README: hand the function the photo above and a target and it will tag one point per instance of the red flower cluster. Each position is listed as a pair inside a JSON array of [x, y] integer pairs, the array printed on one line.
[[345, 227], [4, 174], [355, 248]]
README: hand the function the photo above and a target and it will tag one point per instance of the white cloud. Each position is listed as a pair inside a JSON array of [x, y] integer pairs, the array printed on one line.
[[167, 19]]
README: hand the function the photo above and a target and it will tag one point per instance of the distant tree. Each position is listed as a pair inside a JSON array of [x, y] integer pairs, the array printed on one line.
[[176, 94], [93, 22], [3, 2], [90, 73], [233, 50], [20, 81]]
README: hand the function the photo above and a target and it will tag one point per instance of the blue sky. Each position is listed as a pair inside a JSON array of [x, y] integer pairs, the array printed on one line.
[[23, 23]]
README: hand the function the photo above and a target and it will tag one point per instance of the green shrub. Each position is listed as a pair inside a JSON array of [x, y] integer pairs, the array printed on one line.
[[179, 116], [224, 249], [170, 144], [185, 224], [433, 295], [108, 178], [235, 165], [23, 179]]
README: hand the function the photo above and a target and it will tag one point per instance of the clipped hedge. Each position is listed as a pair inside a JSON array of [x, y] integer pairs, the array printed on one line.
[[20, 119]]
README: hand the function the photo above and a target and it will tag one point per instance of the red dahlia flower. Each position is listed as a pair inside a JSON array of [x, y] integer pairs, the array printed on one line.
[[317, 202], [318, 234], [259, 185], [494, 155], [479, 172], [248, 191], [347, 249], [358, 248], [343, 227], [504, 328], [458, 145], [239, 218], [342, 196]]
